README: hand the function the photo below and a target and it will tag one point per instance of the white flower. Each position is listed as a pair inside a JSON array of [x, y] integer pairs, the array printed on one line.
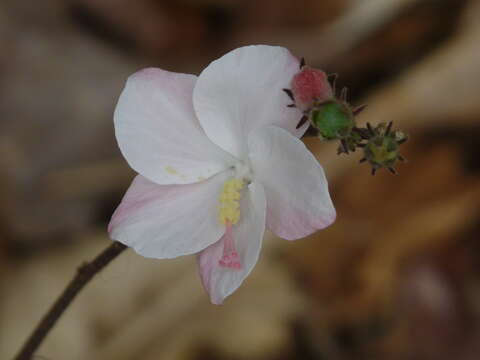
[[219, 161]]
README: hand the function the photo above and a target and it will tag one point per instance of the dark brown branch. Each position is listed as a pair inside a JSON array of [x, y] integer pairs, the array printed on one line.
[[85, 273]]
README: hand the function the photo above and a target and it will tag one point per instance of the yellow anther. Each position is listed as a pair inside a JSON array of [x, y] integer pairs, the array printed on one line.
[[229, 206]]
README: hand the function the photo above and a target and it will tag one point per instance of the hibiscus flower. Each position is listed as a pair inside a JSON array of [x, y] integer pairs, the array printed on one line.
[[219, 161]]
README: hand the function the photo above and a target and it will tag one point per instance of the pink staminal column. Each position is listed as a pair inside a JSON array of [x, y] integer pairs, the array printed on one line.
[[230, 258]]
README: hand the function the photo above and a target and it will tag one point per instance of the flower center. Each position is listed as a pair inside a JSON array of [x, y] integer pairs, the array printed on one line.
[[242, 171], [229, 211], [228, 215]]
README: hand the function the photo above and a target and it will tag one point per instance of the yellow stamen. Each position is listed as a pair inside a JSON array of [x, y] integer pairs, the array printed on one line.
[[229, 211]]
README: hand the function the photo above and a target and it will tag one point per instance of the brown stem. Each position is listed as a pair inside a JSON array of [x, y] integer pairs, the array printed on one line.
[[85, 273]]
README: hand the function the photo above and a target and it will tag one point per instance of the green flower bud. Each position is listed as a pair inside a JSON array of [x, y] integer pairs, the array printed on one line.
[[333, 120], [382, 149]]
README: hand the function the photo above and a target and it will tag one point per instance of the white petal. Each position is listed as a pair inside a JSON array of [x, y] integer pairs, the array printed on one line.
[[158, 133], [218, 281], [298, 201], [166, 221], [243, 90]]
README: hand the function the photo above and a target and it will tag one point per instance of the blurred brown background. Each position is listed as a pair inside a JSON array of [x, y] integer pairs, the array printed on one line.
[[396, 277]]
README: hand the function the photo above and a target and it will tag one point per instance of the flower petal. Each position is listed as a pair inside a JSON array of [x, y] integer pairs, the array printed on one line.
[[243, 90], [219, 281], [158, 133], [166, 221], [298, 201]]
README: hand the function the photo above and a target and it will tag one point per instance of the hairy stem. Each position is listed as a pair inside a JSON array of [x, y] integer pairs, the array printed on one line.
[[84, 274]]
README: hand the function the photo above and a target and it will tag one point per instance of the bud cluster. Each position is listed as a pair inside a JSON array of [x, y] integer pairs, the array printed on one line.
[[333, 119]]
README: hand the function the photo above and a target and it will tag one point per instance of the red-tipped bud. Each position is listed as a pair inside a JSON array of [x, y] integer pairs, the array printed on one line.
[[310, 86]]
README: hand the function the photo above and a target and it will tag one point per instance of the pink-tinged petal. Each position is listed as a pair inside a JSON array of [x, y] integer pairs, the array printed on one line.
[[220, 281], [158, 132], [242, 91], [298, 201], [166, 221]]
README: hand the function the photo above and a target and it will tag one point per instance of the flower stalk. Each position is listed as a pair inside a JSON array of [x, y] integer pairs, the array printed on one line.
[[85, 273]]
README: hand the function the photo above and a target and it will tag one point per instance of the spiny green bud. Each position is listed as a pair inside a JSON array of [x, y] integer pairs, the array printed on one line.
[[382, 148], [333, 120], [382, 151]]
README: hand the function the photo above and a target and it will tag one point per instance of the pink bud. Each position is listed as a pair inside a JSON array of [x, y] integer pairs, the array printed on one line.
[[310, 85]]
